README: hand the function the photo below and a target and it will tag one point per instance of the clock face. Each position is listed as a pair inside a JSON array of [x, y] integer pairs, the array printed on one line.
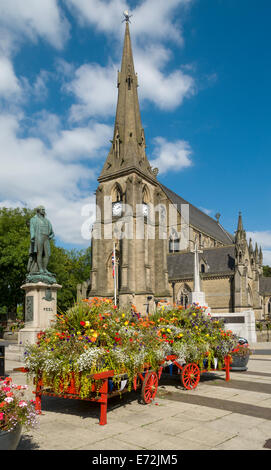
[[145, 210], [117, 209]]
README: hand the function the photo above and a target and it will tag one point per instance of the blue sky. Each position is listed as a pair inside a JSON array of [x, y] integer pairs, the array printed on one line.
[[204, 73]]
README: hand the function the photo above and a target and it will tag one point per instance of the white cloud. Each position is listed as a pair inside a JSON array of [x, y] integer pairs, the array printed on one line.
[[33, 173], [166, 90], [9, 84], [152, 19], [171, 155], [94, 88], [32, 19], [83, 142]]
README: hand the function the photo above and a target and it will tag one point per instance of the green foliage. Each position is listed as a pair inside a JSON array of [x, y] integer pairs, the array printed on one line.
[[267, 271], [71, 267], [14, 247]]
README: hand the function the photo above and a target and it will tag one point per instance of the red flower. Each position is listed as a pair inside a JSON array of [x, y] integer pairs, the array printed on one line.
[[82, 323]]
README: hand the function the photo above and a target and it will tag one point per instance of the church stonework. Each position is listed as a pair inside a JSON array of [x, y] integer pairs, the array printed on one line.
[[132, 203]]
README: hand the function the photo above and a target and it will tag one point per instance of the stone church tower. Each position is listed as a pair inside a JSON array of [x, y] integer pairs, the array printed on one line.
[[127, 186], [153, 251]]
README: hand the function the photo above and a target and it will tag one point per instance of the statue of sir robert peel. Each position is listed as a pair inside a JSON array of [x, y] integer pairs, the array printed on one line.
[[41, 232]]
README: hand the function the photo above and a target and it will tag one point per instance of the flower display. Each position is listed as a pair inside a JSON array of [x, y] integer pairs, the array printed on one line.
[[94, 336], [14, 409]]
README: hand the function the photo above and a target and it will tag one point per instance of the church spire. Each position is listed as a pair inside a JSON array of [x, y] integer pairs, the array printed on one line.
[[128, 145], [240, 234]]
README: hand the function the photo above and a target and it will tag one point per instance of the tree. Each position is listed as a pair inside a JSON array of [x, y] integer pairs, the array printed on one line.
[[71, 267], [14, 247], [267, 271]]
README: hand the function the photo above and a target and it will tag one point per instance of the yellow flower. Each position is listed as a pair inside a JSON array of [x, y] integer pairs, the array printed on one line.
[[126, 323], [87, 323], [168, 330], [123, 315]]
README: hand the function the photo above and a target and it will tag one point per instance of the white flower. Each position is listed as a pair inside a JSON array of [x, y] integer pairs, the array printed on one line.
[[8, 399], [22, 404]]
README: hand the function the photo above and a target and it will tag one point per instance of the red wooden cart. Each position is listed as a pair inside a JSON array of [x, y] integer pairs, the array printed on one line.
[[190, 372], [102, 390]]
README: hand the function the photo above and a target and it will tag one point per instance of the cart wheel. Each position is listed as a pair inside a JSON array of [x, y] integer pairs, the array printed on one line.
[[190, 376], [149, 387]]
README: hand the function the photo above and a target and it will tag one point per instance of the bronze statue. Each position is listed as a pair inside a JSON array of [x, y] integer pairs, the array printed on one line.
[[41, 232]]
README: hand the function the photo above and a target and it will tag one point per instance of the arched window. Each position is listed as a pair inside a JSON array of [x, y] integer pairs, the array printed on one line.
[[202, 268], [174, 242], [269, 307], [145, 201], [116, 193], [117, 198], [183, 296]]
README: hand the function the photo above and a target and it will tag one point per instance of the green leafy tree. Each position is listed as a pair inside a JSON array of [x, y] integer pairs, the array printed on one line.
[[71, 267], [14, 247], [267, 271]]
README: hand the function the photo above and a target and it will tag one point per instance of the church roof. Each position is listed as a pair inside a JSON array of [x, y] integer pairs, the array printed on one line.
[[220, 260], [265, 285], [199, 220]]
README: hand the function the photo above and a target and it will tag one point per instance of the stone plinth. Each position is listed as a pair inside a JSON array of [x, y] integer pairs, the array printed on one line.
[[240, 323], [40, 309]]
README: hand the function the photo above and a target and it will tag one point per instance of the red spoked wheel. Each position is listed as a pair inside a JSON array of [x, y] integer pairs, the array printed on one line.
[[190, 376], [149, 387]]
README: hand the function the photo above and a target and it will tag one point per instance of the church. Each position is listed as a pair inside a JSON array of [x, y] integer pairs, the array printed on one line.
[[145, 234]]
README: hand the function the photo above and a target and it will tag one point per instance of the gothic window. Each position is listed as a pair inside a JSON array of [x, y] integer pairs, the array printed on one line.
[[116, 193], [174, 242], [117, 198], [182, 298], [269, 307], [145, 201], [202, 268]]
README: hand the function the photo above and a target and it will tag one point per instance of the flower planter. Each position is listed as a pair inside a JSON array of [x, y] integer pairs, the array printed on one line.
[[9, 440], [239, 362]]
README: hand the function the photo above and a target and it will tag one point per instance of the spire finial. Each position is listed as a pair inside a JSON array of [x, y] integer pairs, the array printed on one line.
[[240, 222], [126, 16]]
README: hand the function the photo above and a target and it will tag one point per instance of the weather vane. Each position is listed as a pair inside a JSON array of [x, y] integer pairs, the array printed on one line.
[[127, 16]]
